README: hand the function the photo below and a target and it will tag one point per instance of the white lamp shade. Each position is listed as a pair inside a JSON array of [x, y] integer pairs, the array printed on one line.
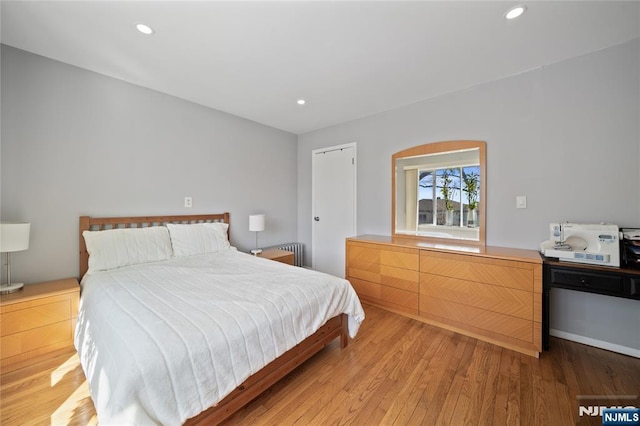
[[256, 222], [14, 236]]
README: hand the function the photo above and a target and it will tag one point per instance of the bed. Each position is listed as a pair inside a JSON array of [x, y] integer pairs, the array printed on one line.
[[193, 335]]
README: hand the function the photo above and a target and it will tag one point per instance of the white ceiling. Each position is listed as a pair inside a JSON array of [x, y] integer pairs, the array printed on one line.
[[347, 59]]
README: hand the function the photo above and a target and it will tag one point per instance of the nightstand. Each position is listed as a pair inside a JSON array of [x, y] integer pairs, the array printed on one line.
[[37, 322], [278, 255]]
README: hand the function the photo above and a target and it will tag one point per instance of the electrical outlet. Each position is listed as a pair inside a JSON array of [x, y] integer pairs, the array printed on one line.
[[188, 202], [521, 202]]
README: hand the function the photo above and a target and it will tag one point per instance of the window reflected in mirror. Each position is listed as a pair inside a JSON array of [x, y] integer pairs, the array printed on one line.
[[456, 192], [438, 194]]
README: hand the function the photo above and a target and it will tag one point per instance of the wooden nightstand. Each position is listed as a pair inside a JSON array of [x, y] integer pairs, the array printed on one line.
[[278, 255], [37, 322]]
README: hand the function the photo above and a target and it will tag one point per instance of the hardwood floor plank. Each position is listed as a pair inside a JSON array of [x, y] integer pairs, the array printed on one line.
[[564, 399], [357, 357], [463, 403], [513, 401], [501, 401], [431, 381], [51, 392], [477, 378], [488, 401], [415, 405], [547, 409], [502, 390], [397, 371], [299, 389], [403, 408], [527, 395], [384, 365], [456, 362], [451, 401], [401, 379]]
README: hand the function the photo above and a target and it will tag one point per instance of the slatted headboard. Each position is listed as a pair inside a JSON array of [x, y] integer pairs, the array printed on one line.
[[88, 223]]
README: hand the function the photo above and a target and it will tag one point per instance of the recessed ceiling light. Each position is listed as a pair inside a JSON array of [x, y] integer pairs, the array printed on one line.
[[144, 29], [515, 12], [301, 101]]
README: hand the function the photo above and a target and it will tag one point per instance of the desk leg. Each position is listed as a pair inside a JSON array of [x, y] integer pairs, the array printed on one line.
[[545, 318]]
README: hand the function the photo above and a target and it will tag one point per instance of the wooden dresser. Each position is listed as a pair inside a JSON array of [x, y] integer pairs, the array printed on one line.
[[490, 293], [37, 322]]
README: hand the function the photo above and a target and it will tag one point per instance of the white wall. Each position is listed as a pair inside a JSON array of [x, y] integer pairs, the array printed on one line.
[[566, 136], [78, 143]]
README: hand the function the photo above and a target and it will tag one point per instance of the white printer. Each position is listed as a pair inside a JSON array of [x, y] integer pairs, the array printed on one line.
[[597, 244]]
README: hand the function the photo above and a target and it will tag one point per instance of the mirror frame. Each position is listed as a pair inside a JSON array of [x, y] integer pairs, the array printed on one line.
[[444, 147]]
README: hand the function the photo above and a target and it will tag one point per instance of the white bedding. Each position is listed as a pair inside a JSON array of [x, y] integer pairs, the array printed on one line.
[[161, 342]]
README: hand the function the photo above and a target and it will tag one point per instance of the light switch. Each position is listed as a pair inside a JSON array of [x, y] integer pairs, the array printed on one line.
[[521, 202]]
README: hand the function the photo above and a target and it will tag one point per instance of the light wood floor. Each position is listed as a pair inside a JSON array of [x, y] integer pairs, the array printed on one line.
[[396, 372]]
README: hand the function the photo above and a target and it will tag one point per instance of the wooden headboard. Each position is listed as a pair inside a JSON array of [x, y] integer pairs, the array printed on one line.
[[88, 223]]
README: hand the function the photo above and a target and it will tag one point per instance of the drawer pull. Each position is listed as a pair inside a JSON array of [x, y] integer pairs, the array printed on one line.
[[585, 282]]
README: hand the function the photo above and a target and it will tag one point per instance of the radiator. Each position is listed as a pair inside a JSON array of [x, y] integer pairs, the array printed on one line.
[[296, 248]]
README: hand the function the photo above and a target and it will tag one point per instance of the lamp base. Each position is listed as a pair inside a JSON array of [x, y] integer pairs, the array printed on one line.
[[11, 288], [256, 252]]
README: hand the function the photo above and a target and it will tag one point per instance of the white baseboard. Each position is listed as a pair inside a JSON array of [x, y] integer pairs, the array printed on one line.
[[596, 343]]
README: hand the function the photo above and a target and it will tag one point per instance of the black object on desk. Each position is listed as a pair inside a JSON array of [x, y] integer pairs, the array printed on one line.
[[617, 282]]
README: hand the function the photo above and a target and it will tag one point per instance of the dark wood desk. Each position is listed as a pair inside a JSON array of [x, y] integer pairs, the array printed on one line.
[[617, 282]]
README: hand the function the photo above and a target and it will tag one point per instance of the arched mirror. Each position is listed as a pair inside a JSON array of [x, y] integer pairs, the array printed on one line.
[[438, 191]]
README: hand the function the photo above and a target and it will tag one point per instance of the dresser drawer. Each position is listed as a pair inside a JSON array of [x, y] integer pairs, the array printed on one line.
[[365, 289], [404, 279], [586, 281], [386, 296], [406, 259], [402, 300], [36, 338], [516, 275], [35, 316], [502, 300], [478, 319], [365, 274], [363, 256]]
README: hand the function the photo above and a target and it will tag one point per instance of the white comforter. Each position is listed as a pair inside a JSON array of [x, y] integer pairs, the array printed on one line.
[[163, 341]]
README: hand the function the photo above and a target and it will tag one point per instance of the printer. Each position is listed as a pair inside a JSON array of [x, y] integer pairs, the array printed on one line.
[[596, 244]]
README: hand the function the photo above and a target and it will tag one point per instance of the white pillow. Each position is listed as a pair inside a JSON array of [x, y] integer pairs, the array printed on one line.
[[114, 248], [198, 238]]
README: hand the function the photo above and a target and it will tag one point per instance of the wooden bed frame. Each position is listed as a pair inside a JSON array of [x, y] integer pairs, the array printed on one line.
[[272, 372]]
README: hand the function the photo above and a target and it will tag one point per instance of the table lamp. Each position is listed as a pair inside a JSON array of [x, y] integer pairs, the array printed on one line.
[[256, 224], [13, 237]]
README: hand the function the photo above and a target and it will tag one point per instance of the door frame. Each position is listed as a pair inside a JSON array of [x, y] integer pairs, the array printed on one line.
[[313, 192]]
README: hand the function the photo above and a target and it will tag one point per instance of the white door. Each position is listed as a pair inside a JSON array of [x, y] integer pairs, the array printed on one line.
[[334, 206]]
